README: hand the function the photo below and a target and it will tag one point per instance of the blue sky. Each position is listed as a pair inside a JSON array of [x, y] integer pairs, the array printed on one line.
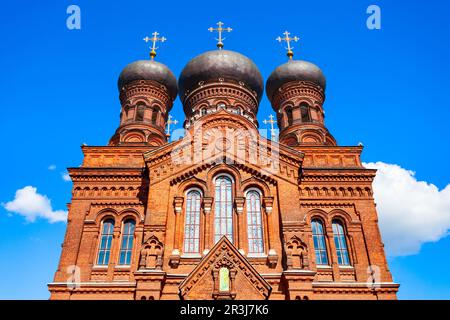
[[388, 89]]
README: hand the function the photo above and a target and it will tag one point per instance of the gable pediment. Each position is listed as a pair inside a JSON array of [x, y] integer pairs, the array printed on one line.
[[262, 158], [204, 281]]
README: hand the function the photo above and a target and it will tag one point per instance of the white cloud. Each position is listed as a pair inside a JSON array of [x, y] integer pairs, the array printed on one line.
[[52, 167], [66, 176], [410, 212], [30, 204]]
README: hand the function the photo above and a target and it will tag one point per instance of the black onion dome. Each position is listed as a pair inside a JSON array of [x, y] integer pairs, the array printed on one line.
[[220, 64], [294, 70], [149, 70]]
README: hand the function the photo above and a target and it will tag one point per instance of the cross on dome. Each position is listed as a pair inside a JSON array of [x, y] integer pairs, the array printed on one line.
[[219, 30], [154, 40]]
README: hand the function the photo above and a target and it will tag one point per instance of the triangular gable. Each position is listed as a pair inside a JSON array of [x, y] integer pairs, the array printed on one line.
[[267, 159], [289, 154], [245, 281]]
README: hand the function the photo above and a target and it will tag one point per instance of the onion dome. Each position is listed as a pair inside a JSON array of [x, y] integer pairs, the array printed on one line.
[[149, 70], [294, 70], [223, 64]]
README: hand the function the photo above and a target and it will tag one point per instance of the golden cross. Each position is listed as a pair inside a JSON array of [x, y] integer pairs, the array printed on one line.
[[169, 122], [219, 30], [272, 129], [288, 40], [154, 39]]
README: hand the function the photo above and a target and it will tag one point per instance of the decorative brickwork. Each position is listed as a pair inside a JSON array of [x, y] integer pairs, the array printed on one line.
[[304, 180]]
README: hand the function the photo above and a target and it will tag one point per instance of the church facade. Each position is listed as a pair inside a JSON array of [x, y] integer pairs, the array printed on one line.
[[222, 213]]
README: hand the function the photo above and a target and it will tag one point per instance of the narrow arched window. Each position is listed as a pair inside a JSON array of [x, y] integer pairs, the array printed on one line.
[[340, 243], [126, 249], [289, 116], [254, 222], [106, 238], [320, 247], [304, 110], [192, 222], [129, 113], [224, 279], [155, 112], [140, 113], [223, 213]]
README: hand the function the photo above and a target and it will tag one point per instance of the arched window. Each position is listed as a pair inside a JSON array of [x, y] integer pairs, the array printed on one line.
[[224, 279], [341, 243], [105, 242], [254, 222], [155, 112], [304, 110], [140, 113], [319, 242], [289, 115], [192, 222], [126, 249], [128, 112], [223, 218]]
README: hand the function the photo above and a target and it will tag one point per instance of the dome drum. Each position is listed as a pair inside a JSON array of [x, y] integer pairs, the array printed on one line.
[[220, 74], [147, 90], [295, 91], [232, 94]]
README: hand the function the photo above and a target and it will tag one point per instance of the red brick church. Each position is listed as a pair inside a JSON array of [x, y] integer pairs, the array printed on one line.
[[222, 213]]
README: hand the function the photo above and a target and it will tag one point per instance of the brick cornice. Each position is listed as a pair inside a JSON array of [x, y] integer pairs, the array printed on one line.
[[116, 204], [124, 149], [106, 174], [337, 174]]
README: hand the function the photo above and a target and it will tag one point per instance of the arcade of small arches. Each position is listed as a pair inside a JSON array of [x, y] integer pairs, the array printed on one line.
[[105, 192], [336, 192]]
